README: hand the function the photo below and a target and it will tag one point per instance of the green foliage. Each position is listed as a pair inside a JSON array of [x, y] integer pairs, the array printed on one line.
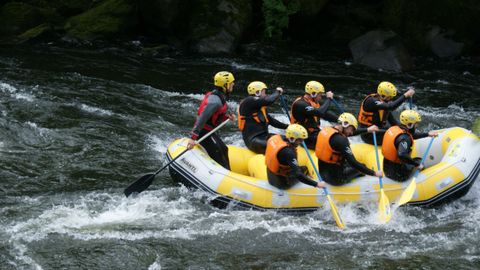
[[276, 15], [476, 127]]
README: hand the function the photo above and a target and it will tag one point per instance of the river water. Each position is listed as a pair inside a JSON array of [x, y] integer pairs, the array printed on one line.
[[77, 127]]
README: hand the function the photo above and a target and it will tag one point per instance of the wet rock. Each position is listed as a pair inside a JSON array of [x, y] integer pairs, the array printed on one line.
[[38, 33], [16, 17], [312, 7], [107, 20], [162, 16], [217, 26], [441, 45], [381, 50]]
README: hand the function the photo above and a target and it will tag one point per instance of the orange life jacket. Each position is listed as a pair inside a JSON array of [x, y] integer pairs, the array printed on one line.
[[242, 118], [310, 123], [389, 150], [274, 145], [366, 118], [323, 149], [219, 115]]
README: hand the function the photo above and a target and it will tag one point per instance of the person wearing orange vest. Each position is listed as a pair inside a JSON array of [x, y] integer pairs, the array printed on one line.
[[397, 147], [307, 111], [212, 112], [283, 170], [254, 119], [376, 109], [333, 149]]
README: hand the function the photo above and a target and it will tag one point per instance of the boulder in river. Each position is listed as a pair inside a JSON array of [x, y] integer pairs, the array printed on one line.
[[441, 45], [381, 50]]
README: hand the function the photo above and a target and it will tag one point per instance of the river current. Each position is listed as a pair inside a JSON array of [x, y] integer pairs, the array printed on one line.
[[78, 126]]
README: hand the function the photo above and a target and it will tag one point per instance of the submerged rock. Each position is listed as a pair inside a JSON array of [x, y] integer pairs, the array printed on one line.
[[381, 50]]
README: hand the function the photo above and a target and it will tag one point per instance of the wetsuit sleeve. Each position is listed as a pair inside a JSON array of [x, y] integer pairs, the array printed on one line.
[[404, 144], [257, 102], [275, 123], [373, 104], [359, 131], [341, 144], [270, 99], [213, 104], [287, 156], [419, 135], [323, 109]]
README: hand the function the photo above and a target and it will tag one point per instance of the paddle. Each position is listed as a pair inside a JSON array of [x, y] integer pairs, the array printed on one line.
[[333, 208], [145, 181], [407, 194], [384, 204]]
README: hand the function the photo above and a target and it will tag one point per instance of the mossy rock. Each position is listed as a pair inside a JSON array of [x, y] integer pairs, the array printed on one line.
[[107, 20], [16, 17], [476, 127], [38, 32]]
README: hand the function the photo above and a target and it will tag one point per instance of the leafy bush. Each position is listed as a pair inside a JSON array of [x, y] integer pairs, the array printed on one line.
[[276, 15]]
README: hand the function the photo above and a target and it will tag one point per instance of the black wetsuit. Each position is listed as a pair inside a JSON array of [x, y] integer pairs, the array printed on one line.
[[402, 171], [305, 115], [287, 156], [374, 104], [345, 172], [255, 135], [214, 145]]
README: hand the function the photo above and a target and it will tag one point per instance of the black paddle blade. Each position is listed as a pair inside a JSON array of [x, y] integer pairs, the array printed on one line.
[[140, 185]]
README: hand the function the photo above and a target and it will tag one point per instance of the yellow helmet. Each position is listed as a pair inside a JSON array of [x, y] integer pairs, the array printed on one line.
[[255, 86], [314, 87], [410, 117], [347, 119], [387, 89], [223, 79], [296, 131]]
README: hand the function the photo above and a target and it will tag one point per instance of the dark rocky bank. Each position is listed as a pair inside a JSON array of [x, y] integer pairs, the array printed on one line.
[[380, 34]]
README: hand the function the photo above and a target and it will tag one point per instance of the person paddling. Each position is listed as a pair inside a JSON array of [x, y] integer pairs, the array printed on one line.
[[333, 149], [283, 170], [212, 112], [307, 111], [376, 109], [254, 119], [397, 147]]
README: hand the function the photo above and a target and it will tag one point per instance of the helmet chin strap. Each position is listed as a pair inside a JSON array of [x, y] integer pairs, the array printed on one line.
[[291, 140]]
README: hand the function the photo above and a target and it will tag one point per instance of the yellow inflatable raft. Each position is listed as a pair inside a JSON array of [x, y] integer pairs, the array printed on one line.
[[452, 166]]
